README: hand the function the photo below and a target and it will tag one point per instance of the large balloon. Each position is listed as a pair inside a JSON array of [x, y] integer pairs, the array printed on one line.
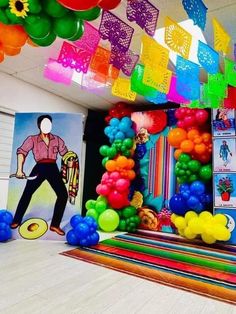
[[109, 220], [178, 205], [79, 5], [109, 4]]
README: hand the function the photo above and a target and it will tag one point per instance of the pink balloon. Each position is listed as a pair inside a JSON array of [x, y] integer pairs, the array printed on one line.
[[102, 189], [115, 175], [116, 199], [189, 121], [122, 185], [201, 116], [105, 177], [181, 124], [180, 113]]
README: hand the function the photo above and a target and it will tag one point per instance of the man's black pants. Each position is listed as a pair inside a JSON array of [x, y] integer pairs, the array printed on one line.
[[49, 172]]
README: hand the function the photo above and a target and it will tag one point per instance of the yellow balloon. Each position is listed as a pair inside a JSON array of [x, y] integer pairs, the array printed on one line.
[[196, 225], [180, 223], [190, 215], [173, 217], [220, 219], [209, 239], [189, 234], [208, 228], [205, 216], [221, 233], [181, 232]]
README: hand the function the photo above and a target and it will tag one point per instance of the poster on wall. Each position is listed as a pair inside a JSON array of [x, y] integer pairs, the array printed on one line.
[[44, 189], [224, 154], [225, 190], [223, 122], [231, 219]]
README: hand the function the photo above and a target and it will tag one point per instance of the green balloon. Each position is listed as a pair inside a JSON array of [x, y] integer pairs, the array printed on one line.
[[122, 225], [65, 27], [137, 220], [184, 158], [100, 206], [4, 3], [80, 31], [102, 198], [46, 41], [129, 211], [40, 28], [111, 152], [35, 6], [92, 213], [90, 204], [89, 15], [182, 172], [177, 170], [126, 153], [13, 19], [4, 18], [54, 8], [128, 142], [205, 172], [104, 161], [194, 165], [192, 178], [103, 150], [109, 220]]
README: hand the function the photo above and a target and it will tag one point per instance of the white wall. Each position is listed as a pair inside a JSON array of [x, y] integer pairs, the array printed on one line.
[[18, 96]]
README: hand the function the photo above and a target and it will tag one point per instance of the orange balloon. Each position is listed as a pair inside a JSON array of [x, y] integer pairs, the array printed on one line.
[[31, 43], [206, 137], [187, 146], [131, 174], [176, 137], [14, 35], [1, 56], [111, 165], [177, 153], [200, 148], [197, 140], [130, 164], [122, 162], [11, 51], [192, 134]]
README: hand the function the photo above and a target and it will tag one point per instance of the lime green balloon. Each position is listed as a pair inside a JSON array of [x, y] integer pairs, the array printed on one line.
[[184, 158], [109, 220], [80, 31], [128, 142], [3, 18], [122, 225], [40, 28], [13, 19], [194, 165], [66, 26], [90, 204], [102, 199], [89, 15], [92, 213], [54, 8], [129, 211], [46, 41], [4, 3], [34, 6], [100, 206], [205, 173]]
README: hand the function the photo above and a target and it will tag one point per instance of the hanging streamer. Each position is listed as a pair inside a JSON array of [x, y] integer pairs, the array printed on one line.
[[90, 39], [125, 61], [122, 88], [55, 72], [196, 11], [137, 84], [144, 14], [221, 37], [158, 98], [230, 72], [210, 100], [173, 95], [74, 57], [208, 58], [177, 38], [217, 85], [158, 78], [117, 32], [153, 54]]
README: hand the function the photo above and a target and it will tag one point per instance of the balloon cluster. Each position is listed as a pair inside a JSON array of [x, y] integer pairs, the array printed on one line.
[[123, 165], [115, 188], [5, 221], [44, 20], [191, 118], [12, 39], [129, 219], [119, 129], [191, 196], [210, 228], [80, 5], [83, 231], [118, 146], [190, 170], [119, 111], [191, 142], [107, 218]]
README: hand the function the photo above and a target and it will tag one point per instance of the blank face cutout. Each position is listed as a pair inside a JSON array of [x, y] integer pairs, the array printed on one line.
[[45, 126]]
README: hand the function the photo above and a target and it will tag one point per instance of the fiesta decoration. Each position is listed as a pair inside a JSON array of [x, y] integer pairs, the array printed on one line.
[[119, 129], [196, 11], [129, 219], [5, 222]]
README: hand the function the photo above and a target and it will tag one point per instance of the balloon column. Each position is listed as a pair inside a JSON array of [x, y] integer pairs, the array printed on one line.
[[5, 221], [83, 231], [44, 20], [210, 228]]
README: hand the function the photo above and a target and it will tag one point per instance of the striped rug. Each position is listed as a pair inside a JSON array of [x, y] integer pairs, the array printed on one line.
[[169, 260]]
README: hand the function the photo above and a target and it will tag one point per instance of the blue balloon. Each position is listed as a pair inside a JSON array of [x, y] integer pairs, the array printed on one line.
[[84, 242], [124, 127], [127, 121], [82, 230], [120, 136], [94, 238], [75, 220], [197, 188], [186, 195], [72, 238], [193, 202], [114, 122], [199, 208], [178, 204], [5, 235], [130, 133], [208, 198], [89, 221], [6, 216], [108, 130], [184, 188]]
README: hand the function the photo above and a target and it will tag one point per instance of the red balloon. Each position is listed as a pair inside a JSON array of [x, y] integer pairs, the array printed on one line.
[[201, 116], [109, 4], [79, 5]]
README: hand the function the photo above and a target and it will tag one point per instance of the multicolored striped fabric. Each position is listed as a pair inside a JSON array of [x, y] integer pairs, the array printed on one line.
[[169, 260]]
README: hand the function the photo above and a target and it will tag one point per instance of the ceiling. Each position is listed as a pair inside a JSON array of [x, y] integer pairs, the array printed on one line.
[[29, 65]]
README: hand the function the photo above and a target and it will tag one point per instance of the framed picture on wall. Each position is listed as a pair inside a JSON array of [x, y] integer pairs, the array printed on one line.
[[224, 154], [223, 122], [225, 189]]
